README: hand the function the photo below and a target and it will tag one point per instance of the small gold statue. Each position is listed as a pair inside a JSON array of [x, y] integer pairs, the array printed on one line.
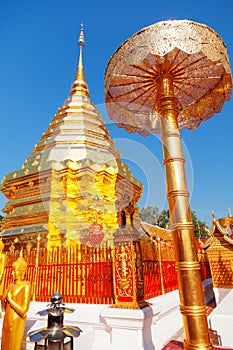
[[15, 303]]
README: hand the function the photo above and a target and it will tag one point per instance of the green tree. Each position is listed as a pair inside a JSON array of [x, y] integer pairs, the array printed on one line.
[[149, 214], [163, 219], [152, 216], [199, 226]]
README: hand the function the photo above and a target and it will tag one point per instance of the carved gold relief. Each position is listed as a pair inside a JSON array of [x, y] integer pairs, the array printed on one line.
[[72, 205], [124, 273]]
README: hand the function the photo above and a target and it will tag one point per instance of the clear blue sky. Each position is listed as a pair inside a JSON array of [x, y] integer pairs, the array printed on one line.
[[38, 60]]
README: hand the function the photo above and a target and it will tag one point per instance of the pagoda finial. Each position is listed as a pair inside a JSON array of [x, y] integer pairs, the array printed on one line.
[[81, 40], [79, 86]]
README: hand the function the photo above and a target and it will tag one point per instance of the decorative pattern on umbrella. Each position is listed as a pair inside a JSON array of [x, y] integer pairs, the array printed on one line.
[[201, 83]]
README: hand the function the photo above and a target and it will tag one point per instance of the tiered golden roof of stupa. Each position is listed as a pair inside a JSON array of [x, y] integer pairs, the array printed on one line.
[[74, 161]]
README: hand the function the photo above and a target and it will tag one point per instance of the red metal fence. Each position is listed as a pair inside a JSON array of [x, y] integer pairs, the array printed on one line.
[[90, 282], [85, 275], [153, 279]]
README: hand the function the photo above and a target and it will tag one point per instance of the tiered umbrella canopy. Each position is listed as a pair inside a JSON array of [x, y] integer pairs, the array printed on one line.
[[195, 57]]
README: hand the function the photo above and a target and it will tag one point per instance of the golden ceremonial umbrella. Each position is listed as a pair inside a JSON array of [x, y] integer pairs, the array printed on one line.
[[167, 76], [195, 57]]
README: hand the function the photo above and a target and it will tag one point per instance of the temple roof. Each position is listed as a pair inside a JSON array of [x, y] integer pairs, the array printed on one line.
[[155, 231]]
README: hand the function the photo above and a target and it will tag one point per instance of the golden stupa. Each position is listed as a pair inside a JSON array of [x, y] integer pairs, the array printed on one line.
[[73, 179]]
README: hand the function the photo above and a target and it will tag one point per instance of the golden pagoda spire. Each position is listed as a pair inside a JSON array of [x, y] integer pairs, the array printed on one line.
[[79, 86]]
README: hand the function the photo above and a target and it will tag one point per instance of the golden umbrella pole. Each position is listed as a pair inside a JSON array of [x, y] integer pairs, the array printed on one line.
[[192, 304], [168, 76]]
